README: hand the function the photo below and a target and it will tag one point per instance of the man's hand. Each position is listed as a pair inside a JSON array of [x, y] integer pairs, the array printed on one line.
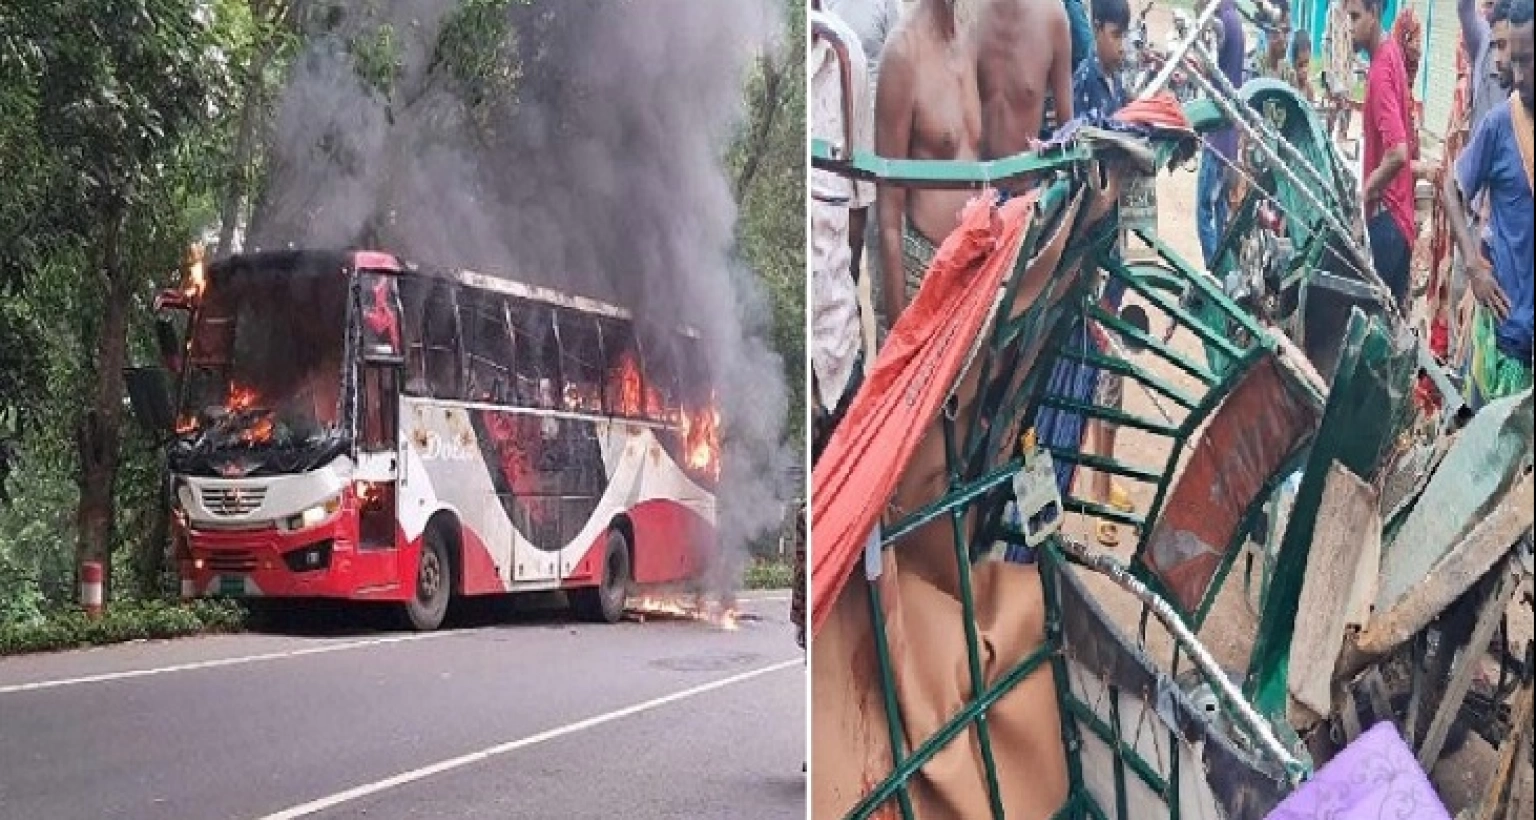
[[1485, 287]]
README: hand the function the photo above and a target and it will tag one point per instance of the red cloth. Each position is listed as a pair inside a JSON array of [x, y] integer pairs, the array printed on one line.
[[913, 374], [1387, 109]]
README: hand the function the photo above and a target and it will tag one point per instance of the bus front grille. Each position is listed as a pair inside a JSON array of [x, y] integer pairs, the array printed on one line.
[[233, 501]]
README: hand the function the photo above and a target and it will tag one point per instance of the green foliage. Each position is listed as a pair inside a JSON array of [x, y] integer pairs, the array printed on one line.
[[767, 162], [768, 574], [143, 620]]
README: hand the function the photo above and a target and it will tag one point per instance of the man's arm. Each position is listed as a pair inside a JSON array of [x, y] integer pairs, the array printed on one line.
[[1061, 67], [1391, 163], [894, 105], [1474, 29], [1466, 180]]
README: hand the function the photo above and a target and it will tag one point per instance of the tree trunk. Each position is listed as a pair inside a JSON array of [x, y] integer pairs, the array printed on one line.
[[237, 188], [155, 547], [98, 436]]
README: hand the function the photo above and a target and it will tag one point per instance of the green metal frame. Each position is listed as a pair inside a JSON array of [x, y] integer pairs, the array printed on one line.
[[975, 482]]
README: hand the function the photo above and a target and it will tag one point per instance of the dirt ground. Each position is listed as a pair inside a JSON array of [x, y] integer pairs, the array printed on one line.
[[1229, 630]]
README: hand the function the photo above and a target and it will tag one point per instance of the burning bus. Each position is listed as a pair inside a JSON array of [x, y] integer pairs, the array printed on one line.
[[349, 426]]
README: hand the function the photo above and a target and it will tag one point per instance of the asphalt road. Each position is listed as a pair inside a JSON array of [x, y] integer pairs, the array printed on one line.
[[528, 716]]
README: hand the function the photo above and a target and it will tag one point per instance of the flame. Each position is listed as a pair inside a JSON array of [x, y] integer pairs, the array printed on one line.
[[701, 439], [240, 398], [723, 616], [196, 276], [185, 425], [631, 391]]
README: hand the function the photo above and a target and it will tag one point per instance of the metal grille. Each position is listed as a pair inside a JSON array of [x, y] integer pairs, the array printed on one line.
[[233, 501]]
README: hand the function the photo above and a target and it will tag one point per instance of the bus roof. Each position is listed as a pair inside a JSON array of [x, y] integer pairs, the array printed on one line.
[[388, 262], [374, 260]]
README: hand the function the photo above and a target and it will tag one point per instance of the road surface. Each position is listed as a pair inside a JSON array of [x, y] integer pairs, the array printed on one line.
[[532, 716]]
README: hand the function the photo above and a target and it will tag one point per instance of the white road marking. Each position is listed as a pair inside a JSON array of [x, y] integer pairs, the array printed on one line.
[[331, 801], [213, 664]]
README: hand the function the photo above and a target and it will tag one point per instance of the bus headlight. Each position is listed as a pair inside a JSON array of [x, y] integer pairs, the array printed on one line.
[[314, 516]]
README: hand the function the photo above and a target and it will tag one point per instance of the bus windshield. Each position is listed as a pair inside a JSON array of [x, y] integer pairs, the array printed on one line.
[[264, 370]]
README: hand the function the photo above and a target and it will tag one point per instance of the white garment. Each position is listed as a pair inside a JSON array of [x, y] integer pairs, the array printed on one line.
[[872, 20], [835, 336]]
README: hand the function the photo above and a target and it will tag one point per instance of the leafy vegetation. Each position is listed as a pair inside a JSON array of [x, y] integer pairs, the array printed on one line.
[[130, 621], [769, 573], [132, 128]]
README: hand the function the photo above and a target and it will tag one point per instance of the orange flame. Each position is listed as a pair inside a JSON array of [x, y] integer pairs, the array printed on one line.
[[196, 280], [723, 616], [242, 399], [185, 425], [701, 439]]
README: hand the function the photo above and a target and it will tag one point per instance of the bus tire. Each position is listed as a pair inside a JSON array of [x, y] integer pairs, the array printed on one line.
[[605, 602], [433, 585]]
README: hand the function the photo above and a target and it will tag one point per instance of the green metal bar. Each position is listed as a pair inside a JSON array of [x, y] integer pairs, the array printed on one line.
[[1206, 333], [1051, 564], [1172, 798], [893, 722], [932, 173], [1152, 343], [1111, 415], [1122, 751], [1204, 283], [960, 497], [968, 619], [1130, 370], [949, 731], [1081, 507], [1118, 744], [1105, 465]]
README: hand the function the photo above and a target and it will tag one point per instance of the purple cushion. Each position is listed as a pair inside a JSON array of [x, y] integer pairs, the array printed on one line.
[[1374, 777]]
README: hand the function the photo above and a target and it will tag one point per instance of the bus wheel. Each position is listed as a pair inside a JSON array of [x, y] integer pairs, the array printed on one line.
[[605, 602], [429, 604]]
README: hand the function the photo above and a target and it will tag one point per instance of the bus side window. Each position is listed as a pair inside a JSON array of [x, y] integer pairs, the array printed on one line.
[[379, 409], [487, 348], [440, 339], [660, 364], [536, 368], [413, 299], [623, 383], [693, 373], [580, 362]]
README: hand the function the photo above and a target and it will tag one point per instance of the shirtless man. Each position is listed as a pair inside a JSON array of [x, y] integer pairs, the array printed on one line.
[[1023, 56], [926, 107]]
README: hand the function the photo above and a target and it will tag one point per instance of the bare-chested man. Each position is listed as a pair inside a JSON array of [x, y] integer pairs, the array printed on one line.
[[926, 107], [1023, 56]]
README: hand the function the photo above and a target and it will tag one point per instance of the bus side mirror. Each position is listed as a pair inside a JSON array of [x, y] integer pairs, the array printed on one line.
[[149, 393]]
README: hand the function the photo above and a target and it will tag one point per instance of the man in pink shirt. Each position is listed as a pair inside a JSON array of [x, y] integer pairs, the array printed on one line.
[[1388, 168]]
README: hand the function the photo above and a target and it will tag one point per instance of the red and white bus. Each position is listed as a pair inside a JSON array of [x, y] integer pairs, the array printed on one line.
[[352, 427]]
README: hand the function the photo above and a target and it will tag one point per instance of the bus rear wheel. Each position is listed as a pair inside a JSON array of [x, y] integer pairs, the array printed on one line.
[[429, 603], [605, 602]]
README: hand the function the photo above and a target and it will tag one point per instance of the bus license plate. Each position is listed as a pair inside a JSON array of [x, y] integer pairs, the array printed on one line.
[[233, 585]]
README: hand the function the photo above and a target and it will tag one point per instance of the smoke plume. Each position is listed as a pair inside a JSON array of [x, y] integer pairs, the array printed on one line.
[[588, 158]]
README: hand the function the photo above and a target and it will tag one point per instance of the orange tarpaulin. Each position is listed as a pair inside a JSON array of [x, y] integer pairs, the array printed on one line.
[[911, 378]]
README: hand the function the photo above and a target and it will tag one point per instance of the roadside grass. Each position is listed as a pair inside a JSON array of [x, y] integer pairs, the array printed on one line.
[[123, 621], [768, 573]]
